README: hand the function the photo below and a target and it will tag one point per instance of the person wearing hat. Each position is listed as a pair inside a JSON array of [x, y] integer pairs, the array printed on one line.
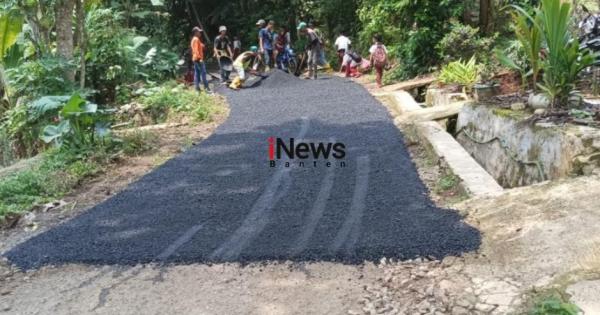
[[260, 25], [313, 48], [241, 63], [198, 59], [222, 48]]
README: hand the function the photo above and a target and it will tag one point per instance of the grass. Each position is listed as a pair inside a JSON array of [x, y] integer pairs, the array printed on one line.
[[61, 170], [58, 173], [447, 182], [137, 142], [554, 305], [170, 103]]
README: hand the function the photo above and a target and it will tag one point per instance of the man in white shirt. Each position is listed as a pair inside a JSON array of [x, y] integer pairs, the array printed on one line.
[[342, 43]]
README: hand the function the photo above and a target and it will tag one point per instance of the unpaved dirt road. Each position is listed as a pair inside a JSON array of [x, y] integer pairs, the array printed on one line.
[[221, 201], [319, 288]]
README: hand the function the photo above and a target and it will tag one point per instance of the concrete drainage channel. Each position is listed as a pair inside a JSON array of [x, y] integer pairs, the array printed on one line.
[[475, 179]]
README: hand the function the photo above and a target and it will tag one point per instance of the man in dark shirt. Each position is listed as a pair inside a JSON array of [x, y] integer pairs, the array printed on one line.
[[222, 48], [266, 44]]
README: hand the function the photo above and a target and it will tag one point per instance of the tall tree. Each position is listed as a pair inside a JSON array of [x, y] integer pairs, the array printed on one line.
[[64, 33], [81, 39], [485, 15]]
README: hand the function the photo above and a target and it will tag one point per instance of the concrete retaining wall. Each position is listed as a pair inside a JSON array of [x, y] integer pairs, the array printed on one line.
[[517, 153]]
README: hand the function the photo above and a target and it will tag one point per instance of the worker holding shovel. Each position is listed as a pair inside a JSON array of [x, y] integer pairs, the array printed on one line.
[[223, 53], [243, 62]]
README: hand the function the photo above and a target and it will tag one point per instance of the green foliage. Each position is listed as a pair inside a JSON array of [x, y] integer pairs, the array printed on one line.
[[448, 182], [464, 42], [108, 59], [462, 73], [410, 29], [564, 59], [137, 142], [530, 42], [11, 24], [39, 77], [169, 101], [59, 172], [555, 306], [82, 125], [116, 56]]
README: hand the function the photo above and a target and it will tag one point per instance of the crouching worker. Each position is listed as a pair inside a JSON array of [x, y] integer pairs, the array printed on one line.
[[241, 64]]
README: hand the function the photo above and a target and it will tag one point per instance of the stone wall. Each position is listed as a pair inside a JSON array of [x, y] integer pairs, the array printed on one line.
[[517, 153]]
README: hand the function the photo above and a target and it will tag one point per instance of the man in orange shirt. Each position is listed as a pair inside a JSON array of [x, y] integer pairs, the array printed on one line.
[[198, 59]]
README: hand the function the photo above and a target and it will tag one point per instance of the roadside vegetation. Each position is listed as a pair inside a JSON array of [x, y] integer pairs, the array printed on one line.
[[76, 80]]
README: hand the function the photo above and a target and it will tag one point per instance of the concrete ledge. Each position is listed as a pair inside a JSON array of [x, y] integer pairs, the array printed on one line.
[[431, 113], [474, 177], [403, 101]]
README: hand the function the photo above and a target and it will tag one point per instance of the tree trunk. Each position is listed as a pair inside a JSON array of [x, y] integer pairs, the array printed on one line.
[[484, 15], [81, 39], [64, 33]]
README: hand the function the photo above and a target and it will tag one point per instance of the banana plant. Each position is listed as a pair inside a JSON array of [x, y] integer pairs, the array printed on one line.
[[11, 24]]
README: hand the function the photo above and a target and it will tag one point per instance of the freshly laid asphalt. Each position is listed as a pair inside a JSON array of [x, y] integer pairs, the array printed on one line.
[[221, 202]]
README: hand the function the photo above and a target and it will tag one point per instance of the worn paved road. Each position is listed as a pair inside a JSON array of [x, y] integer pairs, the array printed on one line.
[[220, 201]]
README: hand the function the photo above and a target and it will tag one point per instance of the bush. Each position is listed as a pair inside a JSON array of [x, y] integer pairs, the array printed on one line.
[[81, 124], [412, 30], [170, 102], [109, 61], [39, 77], [464, 42], [462, 73], [138, 142], [117, 57]]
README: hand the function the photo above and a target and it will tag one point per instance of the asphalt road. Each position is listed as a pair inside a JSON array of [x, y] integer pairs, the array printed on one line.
[[221, 202]]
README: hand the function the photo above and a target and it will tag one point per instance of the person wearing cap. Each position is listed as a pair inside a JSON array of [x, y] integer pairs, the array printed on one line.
[[222, 48], [198, 59], [313, 48], [241, 63], [260, 24], [266, 44]]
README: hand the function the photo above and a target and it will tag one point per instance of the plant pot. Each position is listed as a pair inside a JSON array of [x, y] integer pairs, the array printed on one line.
[[483, 92]]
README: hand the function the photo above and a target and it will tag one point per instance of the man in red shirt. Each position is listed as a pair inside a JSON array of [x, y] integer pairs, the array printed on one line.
[[198, 59]]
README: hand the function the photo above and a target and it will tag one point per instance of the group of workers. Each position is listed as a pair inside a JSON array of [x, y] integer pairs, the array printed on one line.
[[274, 50]]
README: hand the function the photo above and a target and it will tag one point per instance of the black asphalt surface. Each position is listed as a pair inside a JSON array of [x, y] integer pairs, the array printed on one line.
[[221, 202]]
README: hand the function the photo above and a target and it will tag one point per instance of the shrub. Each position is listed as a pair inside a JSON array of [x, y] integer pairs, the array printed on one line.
[[459, 72], [170, 102], [82, 125], [39, 77], [564, 59], [555, 306], [464, 42], [138, 142], [412, 30], [118, 57]]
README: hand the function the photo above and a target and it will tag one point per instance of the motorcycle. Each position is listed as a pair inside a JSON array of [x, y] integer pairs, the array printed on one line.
[[288, 60], [589, 37]]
